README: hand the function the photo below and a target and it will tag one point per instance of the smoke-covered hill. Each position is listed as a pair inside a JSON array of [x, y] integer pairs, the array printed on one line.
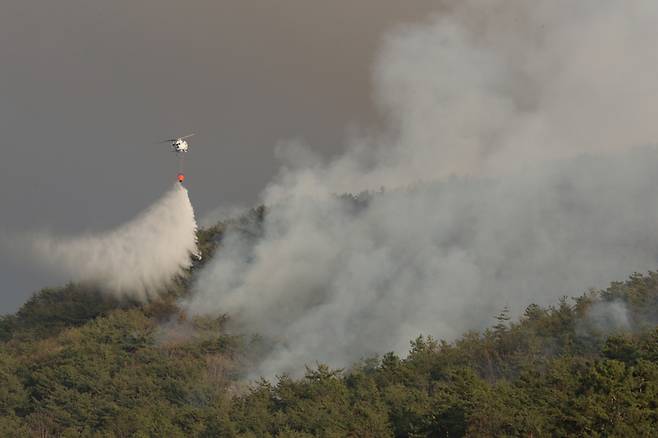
[[514, 170], [77, 362], [334, 279]]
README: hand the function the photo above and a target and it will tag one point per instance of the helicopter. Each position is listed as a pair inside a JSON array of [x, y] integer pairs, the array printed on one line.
[[179, 144]]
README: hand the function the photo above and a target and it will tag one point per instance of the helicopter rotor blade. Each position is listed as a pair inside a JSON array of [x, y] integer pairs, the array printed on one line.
[[187, 136]]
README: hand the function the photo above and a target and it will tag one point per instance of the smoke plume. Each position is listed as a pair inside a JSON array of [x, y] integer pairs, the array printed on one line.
[[609, 316], [136, 260], [535, 109]]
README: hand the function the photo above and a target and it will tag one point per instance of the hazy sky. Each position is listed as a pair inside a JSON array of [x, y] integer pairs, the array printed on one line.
[[87, 88]]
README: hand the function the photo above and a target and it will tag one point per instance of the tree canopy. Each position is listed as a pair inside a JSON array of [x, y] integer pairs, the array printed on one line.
[[75, 363]]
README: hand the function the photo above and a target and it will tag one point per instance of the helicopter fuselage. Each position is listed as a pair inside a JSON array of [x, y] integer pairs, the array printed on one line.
[[179, 145]]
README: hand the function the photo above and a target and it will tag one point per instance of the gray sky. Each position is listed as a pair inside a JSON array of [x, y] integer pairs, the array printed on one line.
[[87, 88]]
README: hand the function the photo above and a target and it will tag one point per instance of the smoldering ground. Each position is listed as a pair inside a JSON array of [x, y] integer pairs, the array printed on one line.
[[136, 260], [535, 106]]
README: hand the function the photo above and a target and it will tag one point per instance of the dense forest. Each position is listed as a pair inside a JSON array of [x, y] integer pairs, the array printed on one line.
[[74, 362]]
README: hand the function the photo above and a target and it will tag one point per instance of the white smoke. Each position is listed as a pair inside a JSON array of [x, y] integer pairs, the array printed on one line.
[[609, 316], [137, 259], [504, 93]]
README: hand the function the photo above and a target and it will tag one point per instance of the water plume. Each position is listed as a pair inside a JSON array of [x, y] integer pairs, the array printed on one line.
[[137, 259]]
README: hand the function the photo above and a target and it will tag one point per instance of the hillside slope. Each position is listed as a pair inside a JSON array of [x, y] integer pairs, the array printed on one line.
[[74, 363]]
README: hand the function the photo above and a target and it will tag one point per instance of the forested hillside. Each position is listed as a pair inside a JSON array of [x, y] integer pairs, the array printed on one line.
[[76, 363]]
